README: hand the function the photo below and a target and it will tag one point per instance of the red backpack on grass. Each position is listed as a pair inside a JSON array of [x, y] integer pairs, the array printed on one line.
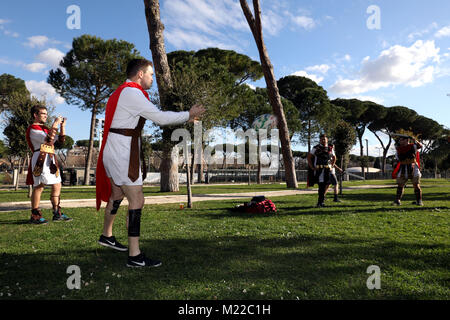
[[257, 205]]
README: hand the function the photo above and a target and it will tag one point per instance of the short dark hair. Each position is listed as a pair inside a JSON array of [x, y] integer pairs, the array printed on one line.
[[323, 135], [136, 65], [36, 108]]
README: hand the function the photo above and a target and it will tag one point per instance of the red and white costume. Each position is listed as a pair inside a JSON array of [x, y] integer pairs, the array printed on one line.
[[37, 135], [124, 109]]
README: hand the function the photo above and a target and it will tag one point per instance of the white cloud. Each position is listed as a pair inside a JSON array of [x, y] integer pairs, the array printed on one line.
[[251, 86], [365, 98], [187, 39], [205, 19], [411, 66], [43, 90], [51, 56], [35, 67], [444, 32], [40, 41], [423, 32], [323, 68], [304, 22], [223, 22], [11, 33], [302, 73], [36, 41], [272, 22], [5, 31]]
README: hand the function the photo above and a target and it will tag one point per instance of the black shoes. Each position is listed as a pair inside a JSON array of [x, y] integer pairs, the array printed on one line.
[[138, 261], [61, 217], [36, 217], [321, 205], [141, 260], [111, 242], [37, 220]]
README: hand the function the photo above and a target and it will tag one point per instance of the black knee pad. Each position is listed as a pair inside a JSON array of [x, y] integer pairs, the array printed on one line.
[[134, 222], [116, 205]]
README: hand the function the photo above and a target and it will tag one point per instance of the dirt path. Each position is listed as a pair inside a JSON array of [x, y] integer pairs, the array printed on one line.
[[82, 203]]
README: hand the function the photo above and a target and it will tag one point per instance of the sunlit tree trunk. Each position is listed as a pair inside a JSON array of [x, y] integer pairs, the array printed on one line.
[[272, 89]]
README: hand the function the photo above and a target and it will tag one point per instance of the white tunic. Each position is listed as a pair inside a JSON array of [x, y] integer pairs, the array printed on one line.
[[37, 137], [132, 105]]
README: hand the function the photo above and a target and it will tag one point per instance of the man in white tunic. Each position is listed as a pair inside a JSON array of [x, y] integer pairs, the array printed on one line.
[[43, 169], [118, 168]]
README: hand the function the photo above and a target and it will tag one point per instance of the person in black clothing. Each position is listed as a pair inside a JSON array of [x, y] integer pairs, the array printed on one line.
[[321, 159]]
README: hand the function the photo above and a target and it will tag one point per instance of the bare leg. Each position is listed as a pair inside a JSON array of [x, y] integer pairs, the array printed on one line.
[[418, 193], [55, 196], [400, 190], [36, 196], [116, 194]]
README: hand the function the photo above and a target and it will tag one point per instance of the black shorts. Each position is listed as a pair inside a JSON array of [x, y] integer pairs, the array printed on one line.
[[333, 179]]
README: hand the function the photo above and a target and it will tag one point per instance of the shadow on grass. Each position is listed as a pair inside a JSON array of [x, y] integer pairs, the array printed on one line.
[[312, 267], [286, 208], [408, 196], [16, 222]]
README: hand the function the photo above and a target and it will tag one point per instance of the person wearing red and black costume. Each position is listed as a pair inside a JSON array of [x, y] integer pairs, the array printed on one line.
[[43, 169], [321, 160], [408, 167]]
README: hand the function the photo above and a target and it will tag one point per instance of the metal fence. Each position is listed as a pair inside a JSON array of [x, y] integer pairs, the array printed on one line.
[[76, 176], [243, 176]]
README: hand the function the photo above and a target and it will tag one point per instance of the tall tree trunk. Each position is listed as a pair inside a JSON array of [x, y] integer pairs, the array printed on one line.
[[200, 176], [361, 148], [259, 177], [188, 185], [341, 175], [192, 168], [90, 148], [435, 168], [272, 89], [164, 81], [30, 187], [169, 166], [309, 135]]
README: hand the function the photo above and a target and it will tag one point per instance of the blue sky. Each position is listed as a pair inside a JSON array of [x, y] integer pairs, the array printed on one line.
[[403, 60]]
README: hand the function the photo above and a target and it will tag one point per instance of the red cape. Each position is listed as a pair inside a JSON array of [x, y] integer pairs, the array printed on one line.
[[30, 180], [102, 183], [404, 149]]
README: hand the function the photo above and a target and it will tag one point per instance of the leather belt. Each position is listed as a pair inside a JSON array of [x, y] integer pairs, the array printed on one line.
[[135, 151], [410, 161]]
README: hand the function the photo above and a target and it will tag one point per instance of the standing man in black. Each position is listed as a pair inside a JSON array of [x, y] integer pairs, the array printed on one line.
[[321, 159]]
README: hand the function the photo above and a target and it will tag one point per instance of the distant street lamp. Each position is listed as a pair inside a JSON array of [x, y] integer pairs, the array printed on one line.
[[367, 152]]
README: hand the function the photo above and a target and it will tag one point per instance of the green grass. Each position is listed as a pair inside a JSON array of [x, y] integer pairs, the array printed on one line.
[[89, 193], [212, 253]]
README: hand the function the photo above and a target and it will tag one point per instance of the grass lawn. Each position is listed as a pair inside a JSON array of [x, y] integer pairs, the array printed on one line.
[[212, 253], [89, 193]]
